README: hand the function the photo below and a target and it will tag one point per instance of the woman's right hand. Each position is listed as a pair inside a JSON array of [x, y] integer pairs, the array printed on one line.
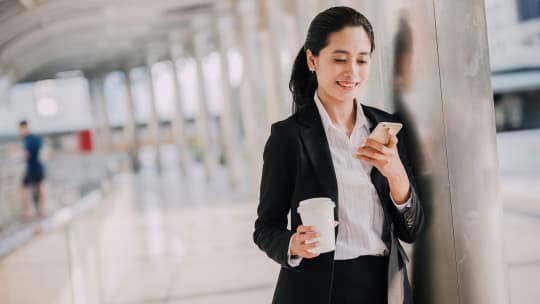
[[302, 241]]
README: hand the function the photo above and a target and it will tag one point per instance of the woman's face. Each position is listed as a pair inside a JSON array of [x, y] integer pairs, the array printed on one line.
[[343, 66]]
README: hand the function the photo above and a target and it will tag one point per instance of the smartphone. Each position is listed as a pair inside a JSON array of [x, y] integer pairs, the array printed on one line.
[[380, 134]]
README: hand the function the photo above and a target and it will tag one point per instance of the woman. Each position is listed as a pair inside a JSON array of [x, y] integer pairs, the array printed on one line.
[[322, 150]]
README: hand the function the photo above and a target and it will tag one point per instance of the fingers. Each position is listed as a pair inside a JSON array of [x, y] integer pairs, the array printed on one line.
[[305, 239], [377, 146], [393, 138], [378, 163], [303, 229], [310, 255], [308, 236], [304, 249], [371, 153]]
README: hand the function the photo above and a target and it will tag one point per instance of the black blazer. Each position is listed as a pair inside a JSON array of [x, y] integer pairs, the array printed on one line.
[[298, 166]]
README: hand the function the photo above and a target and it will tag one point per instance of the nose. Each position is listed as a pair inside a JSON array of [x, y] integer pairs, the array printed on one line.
[[351, 68]]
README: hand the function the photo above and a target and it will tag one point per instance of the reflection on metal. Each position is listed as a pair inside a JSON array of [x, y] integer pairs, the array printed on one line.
[[153, 122], [178, 122], [200, 37], [224, 26], [130, 129]]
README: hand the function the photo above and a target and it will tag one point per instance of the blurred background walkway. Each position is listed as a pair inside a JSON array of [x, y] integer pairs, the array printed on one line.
[[154, 114]]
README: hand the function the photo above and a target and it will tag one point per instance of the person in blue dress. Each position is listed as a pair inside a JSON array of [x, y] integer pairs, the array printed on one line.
[[34, 173]]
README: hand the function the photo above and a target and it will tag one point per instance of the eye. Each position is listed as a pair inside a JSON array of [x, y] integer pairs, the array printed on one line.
[[339, 60], [362, 61]]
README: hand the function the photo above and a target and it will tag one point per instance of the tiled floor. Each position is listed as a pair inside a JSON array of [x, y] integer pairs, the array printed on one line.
[[158, 240], [147, 242]]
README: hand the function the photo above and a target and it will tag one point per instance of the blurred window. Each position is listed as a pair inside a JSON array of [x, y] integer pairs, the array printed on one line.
[[528, 9]]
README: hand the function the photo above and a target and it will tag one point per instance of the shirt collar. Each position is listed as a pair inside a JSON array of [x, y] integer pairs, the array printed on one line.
[[361, 120]]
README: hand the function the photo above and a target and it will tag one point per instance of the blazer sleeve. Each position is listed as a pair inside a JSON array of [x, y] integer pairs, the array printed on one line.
[[277, 184], [408, 223]]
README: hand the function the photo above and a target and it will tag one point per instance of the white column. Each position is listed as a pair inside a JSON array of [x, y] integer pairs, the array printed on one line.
[[130, 129], [224, 29], [273, 45], [325, 4], [199, 47], [250, 117], [94, 117], [98, 89], [178, 126], [153, 122], [306, 10]]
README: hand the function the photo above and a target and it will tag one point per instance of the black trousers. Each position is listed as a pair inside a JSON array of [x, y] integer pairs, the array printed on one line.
[[363, 280]]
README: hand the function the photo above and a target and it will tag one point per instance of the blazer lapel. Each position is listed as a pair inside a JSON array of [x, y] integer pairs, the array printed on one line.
[[316, 147]]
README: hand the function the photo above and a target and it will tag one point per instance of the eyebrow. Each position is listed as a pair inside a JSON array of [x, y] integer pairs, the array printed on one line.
[[347, 53]]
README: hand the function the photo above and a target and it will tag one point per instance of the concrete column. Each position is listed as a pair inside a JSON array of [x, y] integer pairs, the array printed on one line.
[[224, 29], [178, 127], [153, 122], [130, 129], [200, 46]]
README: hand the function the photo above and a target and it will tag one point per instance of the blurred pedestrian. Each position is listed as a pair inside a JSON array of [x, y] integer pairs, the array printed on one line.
[[34, 173]]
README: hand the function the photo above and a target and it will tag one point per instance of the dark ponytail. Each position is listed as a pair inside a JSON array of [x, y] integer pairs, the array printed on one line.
[[303, 83]]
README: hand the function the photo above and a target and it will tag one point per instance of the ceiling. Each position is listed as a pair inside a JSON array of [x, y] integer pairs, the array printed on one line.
[[39, 38]]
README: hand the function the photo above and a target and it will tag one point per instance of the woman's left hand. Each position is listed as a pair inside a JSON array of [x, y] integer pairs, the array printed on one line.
[[386, 160]]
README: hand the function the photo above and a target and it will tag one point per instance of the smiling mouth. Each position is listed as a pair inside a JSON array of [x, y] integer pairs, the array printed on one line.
[[347, 84]]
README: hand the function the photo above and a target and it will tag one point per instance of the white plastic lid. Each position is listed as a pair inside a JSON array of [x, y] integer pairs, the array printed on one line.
[[316, 203]]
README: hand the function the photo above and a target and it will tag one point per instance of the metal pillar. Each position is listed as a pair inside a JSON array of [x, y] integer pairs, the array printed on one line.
[[153, 122], [464, 261], [130, 129]]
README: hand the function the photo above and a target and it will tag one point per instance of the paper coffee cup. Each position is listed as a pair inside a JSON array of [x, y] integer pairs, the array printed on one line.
[[319, 212]]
